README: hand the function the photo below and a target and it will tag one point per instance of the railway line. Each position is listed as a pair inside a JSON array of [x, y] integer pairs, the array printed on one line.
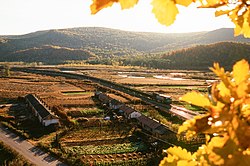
[[148, 98]]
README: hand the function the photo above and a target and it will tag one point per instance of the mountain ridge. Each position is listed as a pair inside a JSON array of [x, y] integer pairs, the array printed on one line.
[[106, 42]]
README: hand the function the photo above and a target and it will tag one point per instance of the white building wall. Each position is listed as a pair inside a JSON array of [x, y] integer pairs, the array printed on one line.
[[51, 121], [40, 118]]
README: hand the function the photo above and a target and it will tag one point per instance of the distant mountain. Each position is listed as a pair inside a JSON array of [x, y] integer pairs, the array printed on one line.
[[223, 34], [105, 42]]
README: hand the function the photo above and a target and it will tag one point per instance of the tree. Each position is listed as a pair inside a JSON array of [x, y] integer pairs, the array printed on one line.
[[166, 10], [227, 122], [7, 70]]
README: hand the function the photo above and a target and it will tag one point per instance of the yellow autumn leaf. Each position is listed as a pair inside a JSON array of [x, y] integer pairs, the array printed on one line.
[[221, 12], [165, 11], [217, 69], [242, 90], [196, 99], [185, 162], [98, 5], [184, 2], [246, 24], [220, 72], [188, 125], [237, 30], [246, 110], [212, 2], [182, 154], [224, 92], [241, 71], [125, 4]]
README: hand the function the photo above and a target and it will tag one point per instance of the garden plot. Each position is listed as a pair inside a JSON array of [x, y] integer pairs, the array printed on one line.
[[96, 133], [106, 144], [85, 112], [106, 149]]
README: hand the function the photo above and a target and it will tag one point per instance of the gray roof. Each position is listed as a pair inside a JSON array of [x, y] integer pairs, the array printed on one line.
[[161, 129], [39, 107]]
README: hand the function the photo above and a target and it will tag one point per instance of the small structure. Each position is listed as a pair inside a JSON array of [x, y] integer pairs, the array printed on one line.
[[153, 126], [161, 130], [163, 98], [115, 104], [108, 101], [104, 98], [97, 93], [129, 112], [44, 115], [148, 123]]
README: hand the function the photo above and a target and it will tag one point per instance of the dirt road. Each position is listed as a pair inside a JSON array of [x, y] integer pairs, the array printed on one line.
[[27, 150]]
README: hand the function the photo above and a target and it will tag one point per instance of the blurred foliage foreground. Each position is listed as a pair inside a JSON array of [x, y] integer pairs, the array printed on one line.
[[226, 125], [165, 11]]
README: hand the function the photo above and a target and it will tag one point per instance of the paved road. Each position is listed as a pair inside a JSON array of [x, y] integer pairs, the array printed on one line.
[[27, 150]]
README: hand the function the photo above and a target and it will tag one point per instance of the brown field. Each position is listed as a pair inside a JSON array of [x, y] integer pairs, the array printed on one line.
[[170, 82], [75, 98], [110, 141]]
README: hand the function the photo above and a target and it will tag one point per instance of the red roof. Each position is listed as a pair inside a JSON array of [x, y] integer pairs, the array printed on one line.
[[127, 110], [153, 124]]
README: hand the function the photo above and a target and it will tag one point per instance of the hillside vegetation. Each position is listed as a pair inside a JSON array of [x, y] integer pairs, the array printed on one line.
[[203, 56], [49, 54], [84, 43], [199, 57]]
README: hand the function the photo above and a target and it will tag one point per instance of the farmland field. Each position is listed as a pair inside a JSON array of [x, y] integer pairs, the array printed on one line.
[[83, 134]]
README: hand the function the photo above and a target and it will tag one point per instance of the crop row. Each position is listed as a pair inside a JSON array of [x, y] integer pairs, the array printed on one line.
[[106, 149]]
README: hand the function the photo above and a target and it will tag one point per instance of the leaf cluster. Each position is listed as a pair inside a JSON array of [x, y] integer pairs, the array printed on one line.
[[166, 10], [226, 125]]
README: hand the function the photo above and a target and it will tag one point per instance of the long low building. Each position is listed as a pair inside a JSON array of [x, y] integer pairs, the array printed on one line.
[[44, 115], [151, 125]]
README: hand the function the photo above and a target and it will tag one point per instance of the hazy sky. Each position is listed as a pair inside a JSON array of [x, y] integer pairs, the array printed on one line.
[[25, 16]]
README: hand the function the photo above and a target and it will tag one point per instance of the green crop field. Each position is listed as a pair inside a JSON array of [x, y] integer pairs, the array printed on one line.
[[107, 149]]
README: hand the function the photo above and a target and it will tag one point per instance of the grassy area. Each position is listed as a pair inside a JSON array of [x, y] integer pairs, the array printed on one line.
[[184, 87], [91, 112], [107, 149], [86, 113], [192, 107]]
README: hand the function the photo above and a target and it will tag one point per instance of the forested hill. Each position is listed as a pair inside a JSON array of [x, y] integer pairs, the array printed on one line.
[[203, 56], [104, 41], [199, 57], [48, 54], [100, 41]]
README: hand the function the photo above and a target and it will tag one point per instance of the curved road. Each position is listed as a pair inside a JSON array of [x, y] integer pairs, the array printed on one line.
[[32, 153]]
